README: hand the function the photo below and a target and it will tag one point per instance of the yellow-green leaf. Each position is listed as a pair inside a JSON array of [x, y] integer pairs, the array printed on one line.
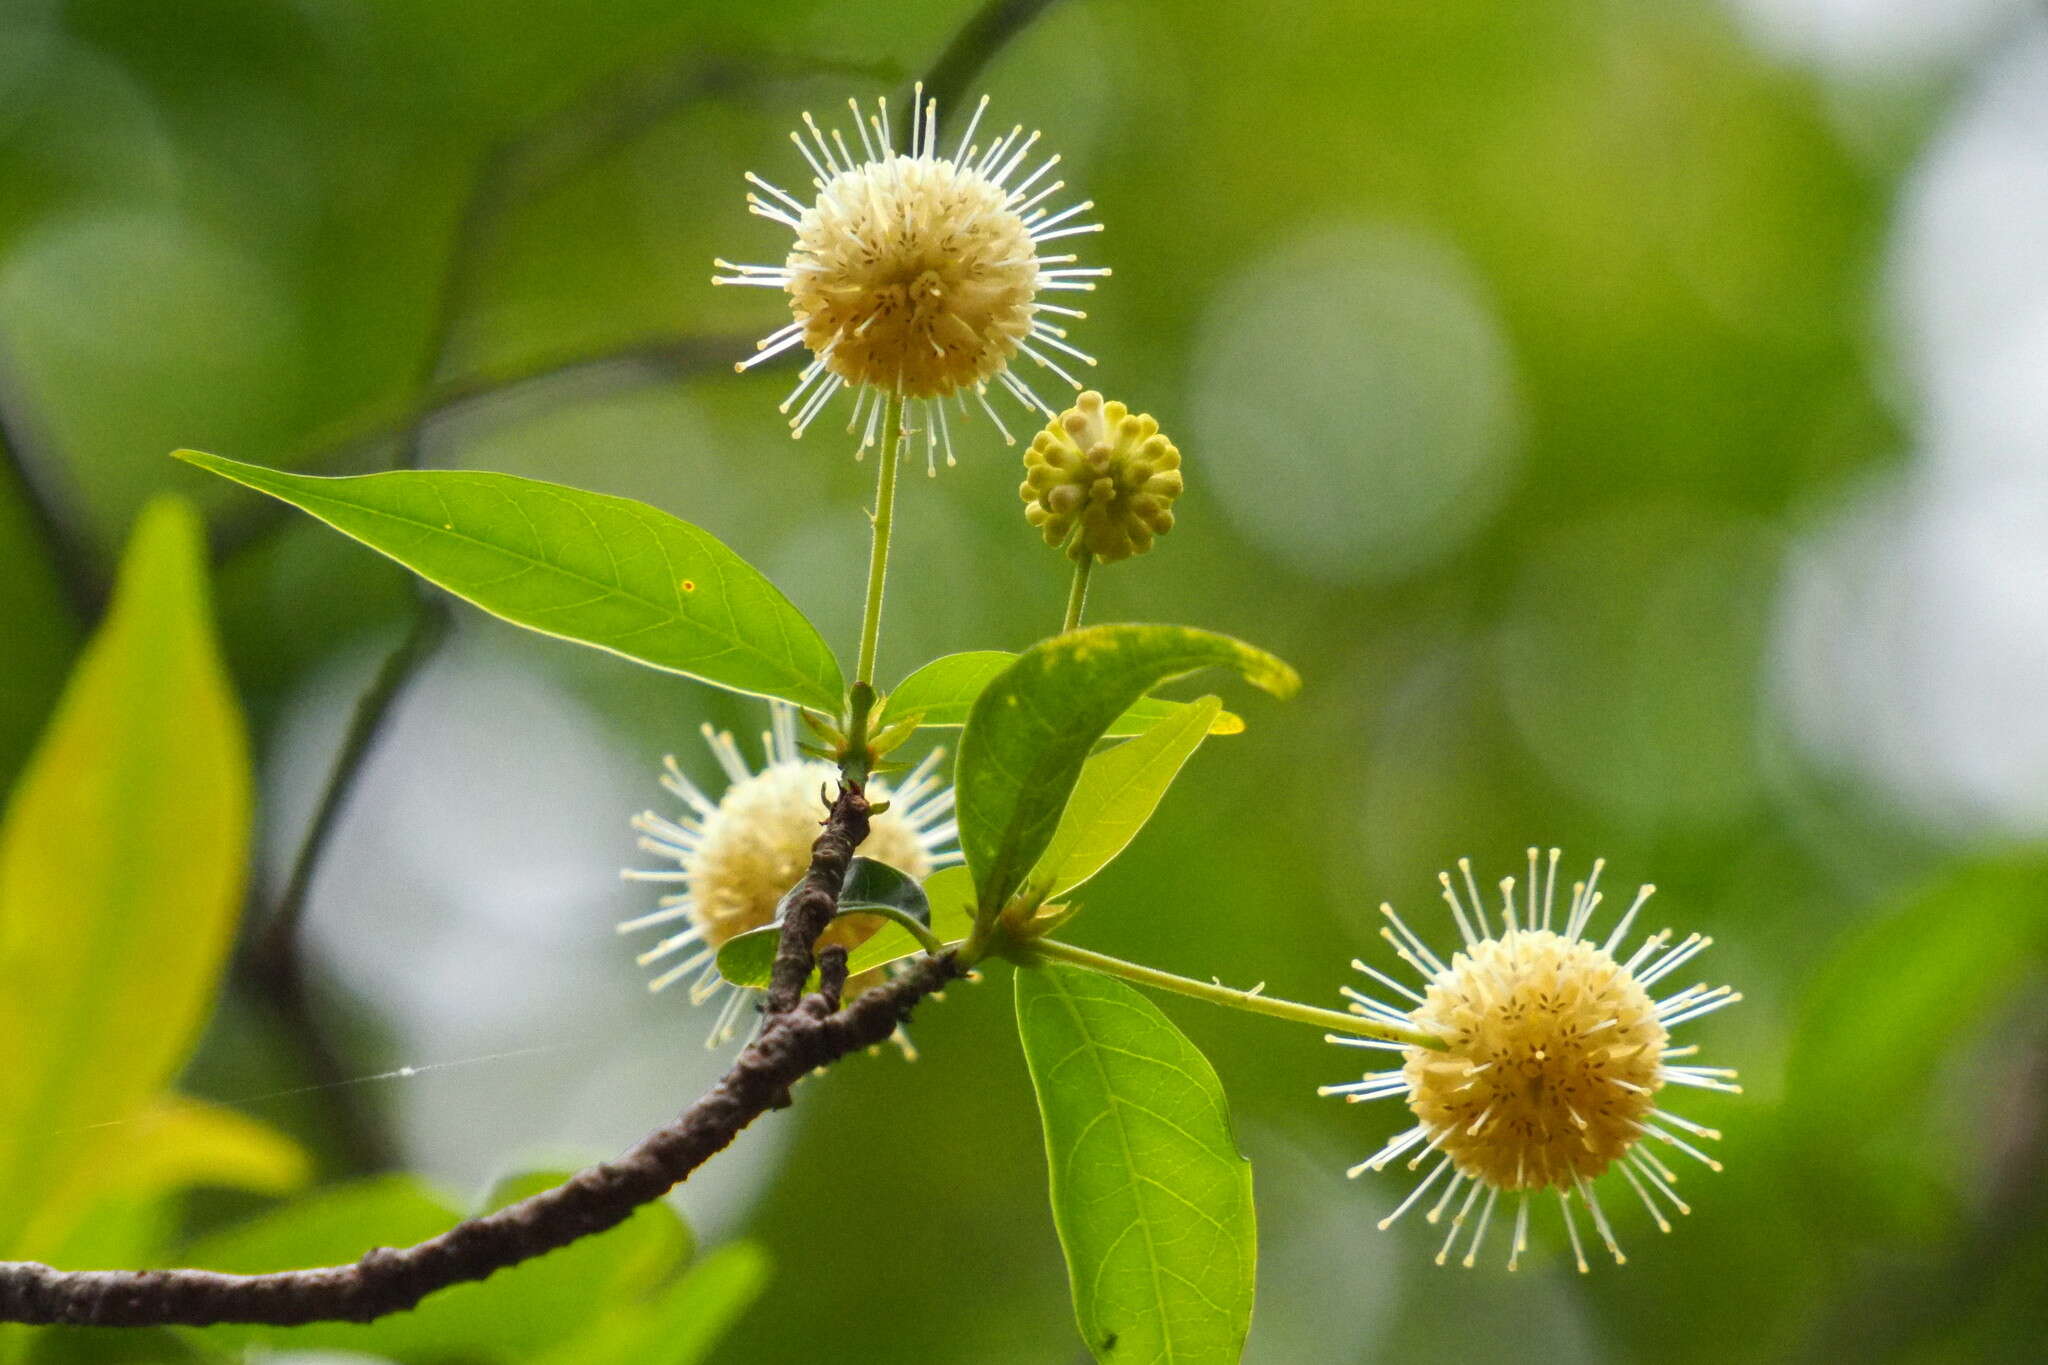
[[942, 692], [174, 1143], [121, 865], [1116, 794], [1032, 727], [950, 893]]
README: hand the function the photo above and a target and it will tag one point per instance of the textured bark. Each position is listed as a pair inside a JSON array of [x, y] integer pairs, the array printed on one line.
[[816, 898]]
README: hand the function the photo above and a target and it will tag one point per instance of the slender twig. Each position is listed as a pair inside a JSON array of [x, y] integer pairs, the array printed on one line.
[[976, 44], [23, 452], [274, 964], [428, 627], [276, 967], [1895, 1311]]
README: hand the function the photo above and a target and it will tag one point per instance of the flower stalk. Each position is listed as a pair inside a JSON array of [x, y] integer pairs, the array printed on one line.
[[856, 761], [1077, 596], [878, 552], [1251, 1002]]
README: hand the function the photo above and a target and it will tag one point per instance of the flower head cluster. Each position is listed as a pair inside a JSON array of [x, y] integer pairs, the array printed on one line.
[[918, 276], [1106, 470], [735, 857], [1554, 1053]]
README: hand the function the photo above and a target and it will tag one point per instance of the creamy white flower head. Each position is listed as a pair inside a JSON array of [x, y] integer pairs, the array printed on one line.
[[921, 275], [1555, 1051], [737, 856]]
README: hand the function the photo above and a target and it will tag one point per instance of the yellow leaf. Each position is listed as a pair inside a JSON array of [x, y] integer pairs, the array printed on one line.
[[174, 1143], [121, 865]]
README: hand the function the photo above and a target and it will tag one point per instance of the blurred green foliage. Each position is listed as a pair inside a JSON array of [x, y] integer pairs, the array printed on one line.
[[1602, 338]]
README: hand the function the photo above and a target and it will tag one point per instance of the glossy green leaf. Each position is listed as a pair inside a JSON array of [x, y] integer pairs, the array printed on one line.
[[943, 691], [514, 1315], [607, 572], [1151, 1198], [1117, 792], [682, 1324], [121, 864], [1032, 728]]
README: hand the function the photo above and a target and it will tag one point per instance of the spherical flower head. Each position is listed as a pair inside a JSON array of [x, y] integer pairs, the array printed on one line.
[[757, 844], [913, 274], [735, 858], [1551, 1061], [1101, 480], [919, 276], [1554, 1052]]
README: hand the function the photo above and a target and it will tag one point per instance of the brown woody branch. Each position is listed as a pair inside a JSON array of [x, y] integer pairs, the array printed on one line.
[[816, 898], [811, 1033]]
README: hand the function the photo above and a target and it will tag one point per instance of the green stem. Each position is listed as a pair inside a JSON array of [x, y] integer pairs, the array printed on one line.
[[878, 554], [930, 941], [1252, 1002], [1078, 596]]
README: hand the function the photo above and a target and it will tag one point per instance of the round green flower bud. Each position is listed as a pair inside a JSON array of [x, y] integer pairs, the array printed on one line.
[[1106, 471]]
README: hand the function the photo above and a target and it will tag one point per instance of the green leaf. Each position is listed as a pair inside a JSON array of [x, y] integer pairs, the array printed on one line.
[[872, 883], [1895, 999], [607, 572], [682, 1325], [950, 893], [121, 864], [871, 890], [943, 691], [1152, 1200], [514, 1315], [748, 959], [1117, 792], [1031, 729], [950, 920]]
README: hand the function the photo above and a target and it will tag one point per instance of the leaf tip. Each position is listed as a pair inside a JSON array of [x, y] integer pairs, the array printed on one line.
[[1274, 676], [199, 459]]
